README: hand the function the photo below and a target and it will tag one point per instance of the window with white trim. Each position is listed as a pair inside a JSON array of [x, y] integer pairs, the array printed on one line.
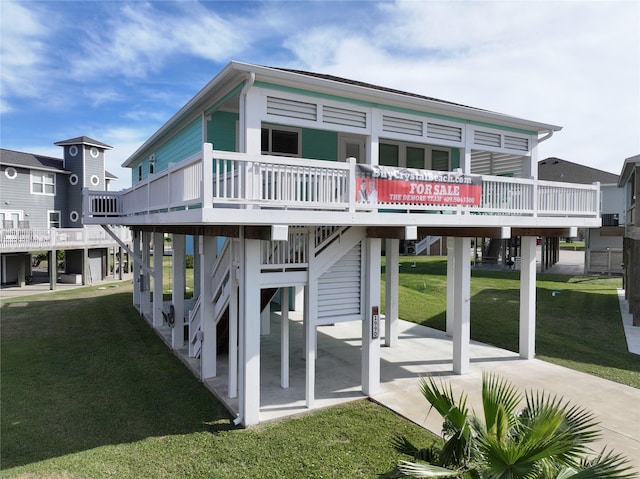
[[408, 155], [53, 219], [43, 183], [281, 141]]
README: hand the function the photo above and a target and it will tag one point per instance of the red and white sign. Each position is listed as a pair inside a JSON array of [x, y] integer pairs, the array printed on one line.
[[386, 184]]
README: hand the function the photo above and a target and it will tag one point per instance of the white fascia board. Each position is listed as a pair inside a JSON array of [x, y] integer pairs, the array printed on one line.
[[627, 168]]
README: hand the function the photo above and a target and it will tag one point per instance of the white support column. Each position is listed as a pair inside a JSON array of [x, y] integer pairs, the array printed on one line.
[[251, 319], [120, 263], [158, 256], [196, 266], [233, 322], [528, 297], [53, 269], [310, 339], [392, 275], [371, 324], [178, 281], [265, 320], [145, 296], [462, 309], [451, 261], [284, 338], [209, 352], [137, 280], [298, 302]]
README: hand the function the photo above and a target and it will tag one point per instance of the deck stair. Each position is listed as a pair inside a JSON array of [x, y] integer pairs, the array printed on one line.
[[491, 252], [425, 244]]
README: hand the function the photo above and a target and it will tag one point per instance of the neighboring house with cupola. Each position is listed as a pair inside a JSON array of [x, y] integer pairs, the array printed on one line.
[[290, 181], [629, 184], [41, 211], [603, 245]]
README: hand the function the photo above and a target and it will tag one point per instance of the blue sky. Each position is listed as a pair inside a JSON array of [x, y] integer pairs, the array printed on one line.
[[116, 71]]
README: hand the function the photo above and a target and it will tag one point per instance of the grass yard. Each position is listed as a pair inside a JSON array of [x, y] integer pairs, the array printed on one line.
[[578, 318], [88, 390]]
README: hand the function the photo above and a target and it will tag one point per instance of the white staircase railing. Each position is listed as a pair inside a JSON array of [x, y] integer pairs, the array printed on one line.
[[325, 236], [284, 254], [195, 335], [425, 244], [221, 280]]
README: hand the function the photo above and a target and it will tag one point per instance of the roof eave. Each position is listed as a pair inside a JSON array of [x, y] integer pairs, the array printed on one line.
[[241, 69], [628, 167]]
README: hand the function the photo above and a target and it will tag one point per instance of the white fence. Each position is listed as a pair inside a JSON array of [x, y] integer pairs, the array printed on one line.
[[36, 239], [227, 179]]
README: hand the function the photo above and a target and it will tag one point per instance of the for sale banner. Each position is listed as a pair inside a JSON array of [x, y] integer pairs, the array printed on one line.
[[387, 184]]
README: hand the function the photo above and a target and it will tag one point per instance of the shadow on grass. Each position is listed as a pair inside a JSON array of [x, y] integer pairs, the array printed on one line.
[[83, 372]]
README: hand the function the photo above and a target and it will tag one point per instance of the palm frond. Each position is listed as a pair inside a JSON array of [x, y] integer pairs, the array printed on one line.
[[498, 393], [418, 469]]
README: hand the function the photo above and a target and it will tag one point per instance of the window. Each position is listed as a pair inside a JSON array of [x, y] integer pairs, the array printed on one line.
[[54, 219], [10, 219], [139, 172], [415, 158], [420, 157], [440, 160], [389, 155], [280, 141], [43, 183], [11, 173]]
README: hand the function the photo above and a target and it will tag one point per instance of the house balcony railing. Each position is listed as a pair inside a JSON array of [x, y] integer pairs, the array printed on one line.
[[46, 239], [219, 179]]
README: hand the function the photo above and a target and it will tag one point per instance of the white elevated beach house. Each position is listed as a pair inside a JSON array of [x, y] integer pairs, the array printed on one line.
[[289, 181]]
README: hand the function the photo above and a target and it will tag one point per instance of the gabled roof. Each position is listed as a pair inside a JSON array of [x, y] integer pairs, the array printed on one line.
[[83, 140], [628, 166], [555, 169], [32, 161], [109, 176]]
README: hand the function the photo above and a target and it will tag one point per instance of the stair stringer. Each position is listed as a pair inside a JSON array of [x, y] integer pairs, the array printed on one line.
[[336, 250], [336, 277]]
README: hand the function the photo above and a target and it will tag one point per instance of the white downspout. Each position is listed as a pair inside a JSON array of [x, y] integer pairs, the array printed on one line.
[[243, 112]]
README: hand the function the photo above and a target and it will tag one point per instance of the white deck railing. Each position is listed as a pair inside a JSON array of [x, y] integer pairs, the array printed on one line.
[[227, 179], [35, 239]]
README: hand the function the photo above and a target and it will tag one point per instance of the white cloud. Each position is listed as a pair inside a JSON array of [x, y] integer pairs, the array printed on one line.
[[139, 38], [23, 45], [575, 64]]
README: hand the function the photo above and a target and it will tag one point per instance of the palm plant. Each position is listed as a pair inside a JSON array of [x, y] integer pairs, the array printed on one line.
[[547, 439]]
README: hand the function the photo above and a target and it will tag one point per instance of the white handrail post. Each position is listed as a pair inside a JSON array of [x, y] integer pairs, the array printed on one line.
[[207, 176], [598, 194], [351, 184], [534, 198]]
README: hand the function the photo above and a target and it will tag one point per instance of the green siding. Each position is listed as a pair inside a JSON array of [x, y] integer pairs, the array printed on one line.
[[455, 158], [319, 144], [221, 130], [183, 144]]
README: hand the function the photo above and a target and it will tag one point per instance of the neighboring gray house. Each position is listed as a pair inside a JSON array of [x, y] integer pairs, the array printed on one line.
[[629, 184], [603, 246], [41, 210]]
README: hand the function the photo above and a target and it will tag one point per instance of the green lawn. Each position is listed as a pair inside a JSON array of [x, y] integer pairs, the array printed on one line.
[[578, 326], [88, 390]]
